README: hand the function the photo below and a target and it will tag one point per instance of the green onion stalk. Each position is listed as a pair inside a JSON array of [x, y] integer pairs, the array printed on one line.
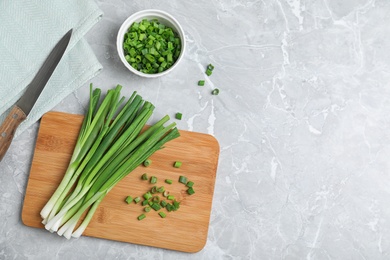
[[110, 145]]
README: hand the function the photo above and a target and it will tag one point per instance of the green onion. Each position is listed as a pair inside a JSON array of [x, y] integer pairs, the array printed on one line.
[[141, 217], [168, 181], [183, 179], [176, 205], [190, 191], [145, 202], [177, 164], [156, 199], [110, 145], [171, 197], [153, 179], [147, 162], [129, 199], [215, 91], [201, 83], [178, 116], [147, 209], [209, 69], [190, 184], [147, 195], [157, 46], [156, 206], [166, 193], [163, 203], [162, 214], [144, 177], [153, 190], [169, 207], [161, 189]]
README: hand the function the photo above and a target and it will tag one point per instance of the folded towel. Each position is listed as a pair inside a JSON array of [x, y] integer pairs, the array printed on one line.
[[28, 32]]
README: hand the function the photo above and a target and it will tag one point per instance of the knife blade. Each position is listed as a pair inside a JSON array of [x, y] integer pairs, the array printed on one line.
[[23, 106]]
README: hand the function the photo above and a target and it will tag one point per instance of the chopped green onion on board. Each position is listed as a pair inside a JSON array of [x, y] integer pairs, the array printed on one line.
[[177, 164], [190, 191], [147, 162], [153, 179], [129, 199], [141, 217], [183, 179]]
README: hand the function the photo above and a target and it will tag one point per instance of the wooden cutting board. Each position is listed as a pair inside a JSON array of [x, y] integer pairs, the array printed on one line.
[[184, 230]]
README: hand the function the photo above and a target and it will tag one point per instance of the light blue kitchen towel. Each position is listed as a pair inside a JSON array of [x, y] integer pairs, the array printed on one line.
[[29, 29]]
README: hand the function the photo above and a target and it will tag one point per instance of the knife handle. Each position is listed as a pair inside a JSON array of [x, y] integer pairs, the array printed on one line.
[[8, 128]]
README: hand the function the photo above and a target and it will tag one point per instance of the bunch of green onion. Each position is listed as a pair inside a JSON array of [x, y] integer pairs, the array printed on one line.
[[110, 145]]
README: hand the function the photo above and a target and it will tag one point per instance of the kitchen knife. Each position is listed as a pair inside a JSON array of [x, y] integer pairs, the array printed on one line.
[[23, 106]]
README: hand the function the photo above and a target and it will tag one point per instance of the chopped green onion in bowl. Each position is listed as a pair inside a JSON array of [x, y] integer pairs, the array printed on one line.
[[151, 47], [151, 43]]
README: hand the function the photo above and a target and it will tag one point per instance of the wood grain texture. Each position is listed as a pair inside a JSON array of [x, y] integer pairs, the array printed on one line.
[[184, 230], [8, 128]]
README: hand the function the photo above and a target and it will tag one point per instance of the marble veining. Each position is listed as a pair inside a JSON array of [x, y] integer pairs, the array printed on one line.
[[302, 119]]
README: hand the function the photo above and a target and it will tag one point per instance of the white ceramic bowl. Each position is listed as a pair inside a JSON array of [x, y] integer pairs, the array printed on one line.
[[163, 18]]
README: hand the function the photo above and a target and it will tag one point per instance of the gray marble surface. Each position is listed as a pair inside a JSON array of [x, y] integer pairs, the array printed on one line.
[[302, 120]]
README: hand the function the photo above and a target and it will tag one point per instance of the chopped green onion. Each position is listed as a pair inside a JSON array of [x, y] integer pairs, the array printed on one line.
[[129, 199], [201, 83], [177, 164], [169, 207], [156, 206], [148, 195], [153, 179], [190, 190], [161, 189], [144, 176], [157, 45], [137, 199], [178, 116], [168, 181], [147, 209], [166, 193], [183, 179], [153, 190], [145, 202], [163, 203], [210, 67], [156, 199], [141, 217], [162, 214], [190, 184], [215, 91], [176, 205], [147, 162], [171, 197]]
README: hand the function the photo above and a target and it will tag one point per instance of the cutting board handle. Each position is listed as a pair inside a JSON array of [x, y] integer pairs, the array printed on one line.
[[8, 129]]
